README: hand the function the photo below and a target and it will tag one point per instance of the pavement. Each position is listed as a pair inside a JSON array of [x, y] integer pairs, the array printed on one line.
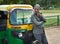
[[53, 34]]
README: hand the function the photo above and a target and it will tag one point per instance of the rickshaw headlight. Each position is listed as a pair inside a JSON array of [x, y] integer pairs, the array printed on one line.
[[20, 35]]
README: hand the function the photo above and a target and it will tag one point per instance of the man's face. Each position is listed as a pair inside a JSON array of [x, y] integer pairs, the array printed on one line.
[[36, 10]]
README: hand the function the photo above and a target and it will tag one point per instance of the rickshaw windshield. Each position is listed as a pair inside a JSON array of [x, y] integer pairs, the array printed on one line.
[[20, 16]]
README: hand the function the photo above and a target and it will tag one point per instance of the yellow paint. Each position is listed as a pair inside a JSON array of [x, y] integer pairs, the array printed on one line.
[[28, 27], [9, 7]]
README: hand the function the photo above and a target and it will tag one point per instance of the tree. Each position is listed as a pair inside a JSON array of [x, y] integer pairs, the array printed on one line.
[[43, 3]]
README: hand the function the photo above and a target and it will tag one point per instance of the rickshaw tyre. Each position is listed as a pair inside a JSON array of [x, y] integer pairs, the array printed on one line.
[[5, 41]]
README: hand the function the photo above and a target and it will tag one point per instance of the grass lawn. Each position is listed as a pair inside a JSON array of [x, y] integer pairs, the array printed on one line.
[[51, 21], [50, 12]]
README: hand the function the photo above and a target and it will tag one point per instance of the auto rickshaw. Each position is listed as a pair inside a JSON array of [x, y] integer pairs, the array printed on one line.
[[18, 26]]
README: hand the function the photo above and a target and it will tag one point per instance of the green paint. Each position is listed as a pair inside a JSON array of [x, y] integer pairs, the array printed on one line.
[[2, 36], [13, 40], [10, 38]]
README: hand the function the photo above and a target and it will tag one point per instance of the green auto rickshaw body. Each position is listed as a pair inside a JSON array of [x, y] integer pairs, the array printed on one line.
[[18, 23]]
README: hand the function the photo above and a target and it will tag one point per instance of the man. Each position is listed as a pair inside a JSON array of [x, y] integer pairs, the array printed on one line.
[[38, 25]]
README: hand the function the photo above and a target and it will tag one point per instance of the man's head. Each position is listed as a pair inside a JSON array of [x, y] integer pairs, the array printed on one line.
[[36, 8]]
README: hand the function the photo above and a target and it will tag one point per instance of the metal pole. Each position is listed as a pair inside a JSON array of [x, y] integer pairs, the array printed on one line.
[[58, 20]]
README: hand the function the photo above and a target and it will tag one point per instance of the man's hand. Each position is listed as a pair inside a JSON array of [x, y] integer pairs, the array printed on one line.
[[39, 15]]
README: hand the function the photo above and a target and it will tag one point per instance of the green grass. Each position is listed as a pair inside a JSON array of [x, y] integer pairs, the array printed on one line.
[[51, 21]]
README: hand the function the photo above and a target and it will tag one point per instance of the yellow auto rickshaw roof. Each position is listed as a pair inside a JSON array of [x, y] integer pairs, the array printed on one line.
[[8, 7], [3, 7]]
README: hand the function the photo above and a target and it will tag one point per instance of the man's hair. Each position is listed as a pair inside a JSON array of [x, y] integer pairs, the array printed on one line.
[[37, 6]]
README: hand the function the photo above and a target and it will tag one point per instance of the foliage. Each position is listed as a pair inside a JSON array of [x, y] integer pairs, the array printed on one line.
[[44, 3]]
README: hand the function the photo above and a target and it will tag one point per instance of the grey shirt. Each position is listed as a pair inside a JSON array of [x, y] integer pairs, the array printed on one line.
[[38, 25]]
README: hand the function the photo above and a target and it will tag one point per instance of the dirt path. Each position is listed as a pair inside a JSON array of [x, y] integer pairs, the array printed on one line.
[[51, 14], [53, 34]]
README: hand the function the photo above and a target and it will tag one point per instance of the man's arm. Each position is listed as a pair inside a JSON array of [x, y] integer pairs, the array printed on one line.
[[43, 19], [34, 20]]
